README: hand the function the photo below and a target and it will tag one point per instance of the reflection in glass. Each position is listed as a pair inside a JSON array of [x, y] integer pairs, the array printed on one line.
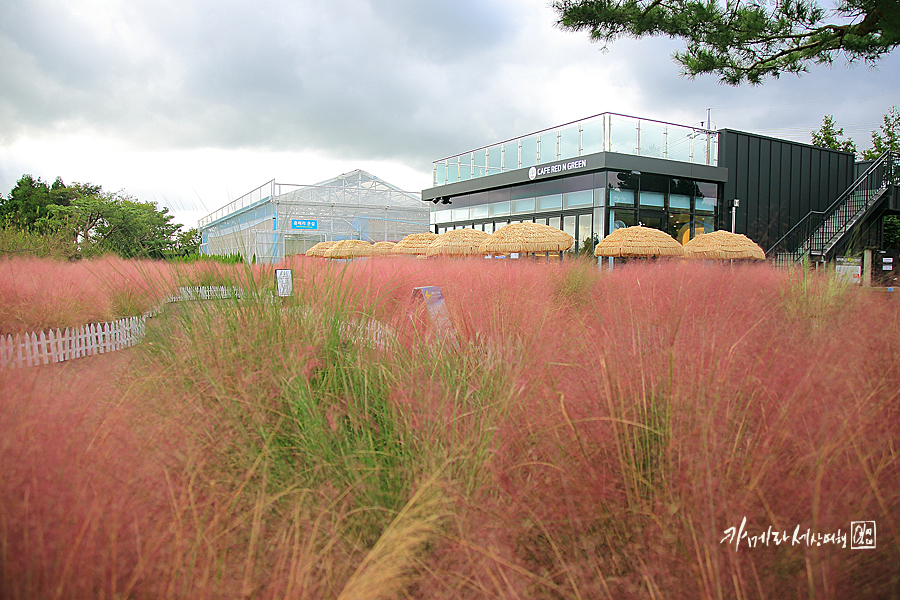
[[465, 167], [478, 158], [653, 221], [548, 147], [583, 239], [680, 227], [440, 174], [583, 198], [549, 202], [489, 227], [452, 175], [524, 205], [653, 199], [569, 226], [592, 136], [653, 139], [511, 155], [703, 225], [622, 134], [621, 218], [529, 151], [679, 202], [442, 216], [480, 211], [460, 214], [554, 222], [499, 208], [568, 142], [621, 197], [493, 161]]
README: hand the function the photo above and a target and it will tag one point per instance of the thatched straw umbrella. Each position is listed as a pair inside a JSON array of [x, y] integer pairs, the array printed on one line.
[[414, 243], [349, 249], [457, 242], [526, 238], [638, 241], [382, 248], [723, 245], [320, 249]]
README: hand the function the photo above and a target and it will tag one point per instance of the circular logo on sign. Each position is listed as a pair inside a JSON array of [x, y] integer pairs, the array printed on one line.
[[532, 173]]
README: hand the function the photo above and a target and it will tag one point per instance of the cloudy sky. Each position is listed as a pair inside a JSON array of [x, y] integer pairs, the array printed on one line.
[[191, 103]]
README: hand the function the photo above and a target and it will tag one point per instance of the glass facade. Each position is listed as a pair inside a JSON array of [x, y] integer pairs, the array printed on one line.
[[606, 132], [590, 206]]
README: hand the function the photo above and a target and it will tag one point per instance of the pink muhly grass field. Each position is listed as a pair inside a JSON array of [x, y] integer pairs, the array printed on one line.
[[595, 435]]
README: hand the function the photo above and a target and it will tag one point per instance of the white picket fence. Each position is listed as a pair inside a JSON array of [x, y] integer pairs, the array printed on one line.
[[42, 348], [30, 349]]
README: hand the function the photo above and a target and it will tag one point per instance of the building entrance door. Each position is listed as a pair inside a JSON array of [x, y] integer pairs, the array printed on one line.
[[654, 219]]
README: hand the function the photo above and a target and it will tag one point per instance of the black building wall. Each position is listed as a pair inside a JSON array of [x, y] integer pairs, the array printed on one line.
[[778, 182]]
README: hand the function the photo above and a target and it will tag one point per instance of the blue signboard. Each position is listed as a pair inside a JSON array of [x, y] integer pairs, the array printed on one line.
[[304, 224]]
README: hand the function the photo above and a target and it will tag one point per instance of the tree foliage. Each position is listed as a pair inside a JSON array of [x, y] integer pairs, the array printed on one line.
[[744, 42], [93, 220], [829, 136], [887, 137]]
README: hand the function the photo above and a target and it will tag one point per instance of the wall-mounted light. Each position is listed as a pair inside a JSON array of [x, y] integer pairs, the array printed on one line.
[[436, 200], [445, 201]]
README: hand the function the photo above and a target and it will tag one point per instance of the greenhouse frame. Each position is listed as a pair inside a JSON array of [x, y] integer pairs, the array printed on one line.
[[277, 220]]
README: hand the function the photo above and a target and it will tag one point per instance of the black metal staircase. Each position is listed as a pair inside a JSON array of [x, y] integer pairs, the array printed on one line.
[[818, 234]]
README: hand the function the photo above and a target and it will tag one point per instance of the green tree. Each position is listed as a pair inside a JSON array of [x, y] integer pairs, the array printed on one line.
[[888, 138], [131, 229], [829, 136], [187, 242], [744, 42]]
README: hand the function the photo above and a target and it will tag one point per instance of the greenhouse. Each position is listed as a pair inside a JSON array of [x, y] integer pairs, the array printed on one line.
[[277, 220]]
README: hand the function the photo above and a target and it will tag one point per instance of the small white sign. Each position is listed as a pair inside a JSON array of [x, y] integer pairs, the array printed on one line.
[[887, 260], [284, 282]]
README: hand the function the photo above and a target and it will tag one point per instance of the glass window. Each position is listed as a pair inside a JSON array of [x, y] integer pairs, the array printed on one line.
[[584, 231], [541, 221], [621, 218], [465, 167], [569, 225], [511, 155], [493, 159], [679, 202], [680, 227], [453, 172], [529, 151], [592, 136], [499, 208], [706, 199], [440, 175], [479, 159], [524, 205], [621, 197], [568, 142], [703, 225], [583, 198], [548, 147], [555, 222], [653, 199], [460, 214], [442, 230], [549, 202], [653, 220], [598, 222], [600, 197], [489, 227], [442, 216], [480, 211], [522, 191]]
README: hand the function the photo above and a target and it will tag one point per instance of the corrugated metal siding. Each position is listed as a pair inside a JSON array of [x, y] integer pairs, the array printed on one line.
[[778, 182]]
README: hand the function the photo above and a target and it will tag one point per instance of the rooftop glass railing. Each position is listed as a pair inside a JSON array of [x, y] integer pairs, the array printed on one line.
[[606, 132]]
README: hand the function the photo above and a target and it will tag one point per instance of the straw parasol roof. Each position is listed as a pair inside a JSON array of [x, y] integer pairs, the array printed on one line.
[[457, 242], [349, 249], [723, 245], [414, 243], [320, 248], [638, 241], [526, 238], [382, 248]]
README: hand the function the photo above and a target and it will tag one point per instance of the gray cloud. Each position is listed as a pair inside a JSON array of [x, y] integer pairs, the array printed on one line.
[[359, 79]]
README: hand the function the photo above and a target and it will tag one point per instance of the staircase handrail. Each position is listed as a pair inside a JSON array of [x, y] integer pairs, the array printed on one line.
[[776, 247]]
